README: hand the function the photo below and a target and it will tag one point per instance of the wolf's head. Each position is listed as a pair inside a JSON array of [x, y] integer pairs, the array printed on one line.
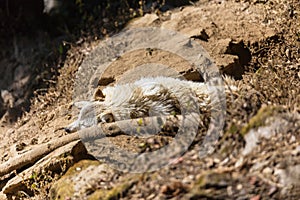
[[91, 113]]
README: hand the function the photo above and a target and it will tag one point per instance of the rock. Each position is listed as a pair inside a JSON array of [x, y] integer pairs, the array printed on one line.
[[212, 28], [266, 123], [78, 179], [63, 156], [90, 179], [289, 176]]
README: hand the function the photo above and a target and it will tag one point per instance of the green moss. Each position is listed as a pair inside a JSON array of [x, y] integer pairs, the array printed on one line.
[[111, 194], [226, 147], [233, 129], [140, 122], [211, 178], [115, 192], [83, 164], [63, 188], [260, 118], [201, 181], [206, 186]]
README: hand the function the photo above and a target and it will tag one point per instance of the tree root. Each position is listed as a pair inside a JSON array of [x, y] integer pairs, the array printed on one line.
[[141, 126]]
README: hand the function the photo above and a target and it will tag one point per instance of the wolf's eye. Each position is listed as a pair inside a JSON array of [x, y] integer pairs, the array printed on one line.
[[108, 118]]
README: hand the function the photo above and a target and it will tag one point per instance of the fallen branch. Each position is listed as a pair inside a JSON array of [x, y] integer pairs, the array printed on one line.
[[140, 126], [35, 154]]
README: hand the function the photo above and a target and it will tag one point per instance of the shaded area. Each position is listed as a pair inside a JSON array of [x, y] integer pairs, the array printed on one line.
[[36, 34]]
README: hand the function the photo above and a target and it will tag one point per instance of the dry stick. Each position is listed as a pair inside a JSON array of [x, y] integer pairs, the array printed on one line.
[[109, 129], [35, 154]]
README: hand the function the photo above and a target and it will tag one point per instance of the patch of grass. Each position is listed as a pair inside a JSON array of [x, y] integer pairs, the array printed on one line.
[[233, 129], [209, 186], [260, 118], [116, 192], [63, 189]]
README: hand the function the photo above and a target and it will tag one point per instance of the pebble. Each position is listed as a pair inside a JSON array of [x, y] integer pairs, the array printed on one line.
[[239, 187], [267, 170], [257, 197]]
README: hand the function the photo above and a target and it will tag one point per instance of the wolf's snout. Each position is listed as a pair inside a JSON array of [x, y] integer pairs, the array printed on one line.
[[72, 127]]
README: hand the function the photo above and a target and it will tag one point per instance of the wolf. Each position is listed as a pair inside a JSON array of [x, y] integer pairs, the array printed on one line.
[[156, 96]]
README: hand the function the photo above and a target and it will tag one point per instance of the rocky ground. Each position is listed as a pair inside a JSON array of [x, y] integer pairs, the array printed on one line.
[[257, 156]]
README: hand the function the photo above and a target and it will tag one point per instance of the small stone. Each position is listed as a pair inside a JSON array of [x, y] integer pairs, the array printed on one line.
[[164, 189], [257, 197], [209, 162], [253, 180], [78, 168], [151, 141], [105, 20], [226, 160], [229, 191], [141, 145], [288, 53], [267, 170], [239, 162], [173, 188], [188, 179], [195, 157], [292, 139], [239, 187], [272, 190], [216, 160]]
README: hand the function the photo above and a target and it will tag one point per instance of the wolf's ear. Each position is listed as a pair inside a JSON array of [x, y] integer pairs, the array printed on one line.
[[98, 95], [81, 104]]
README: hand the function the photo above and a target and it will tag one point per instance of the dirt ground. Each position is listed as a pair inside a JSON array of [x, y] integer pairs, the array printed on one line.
[[257, 156]]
